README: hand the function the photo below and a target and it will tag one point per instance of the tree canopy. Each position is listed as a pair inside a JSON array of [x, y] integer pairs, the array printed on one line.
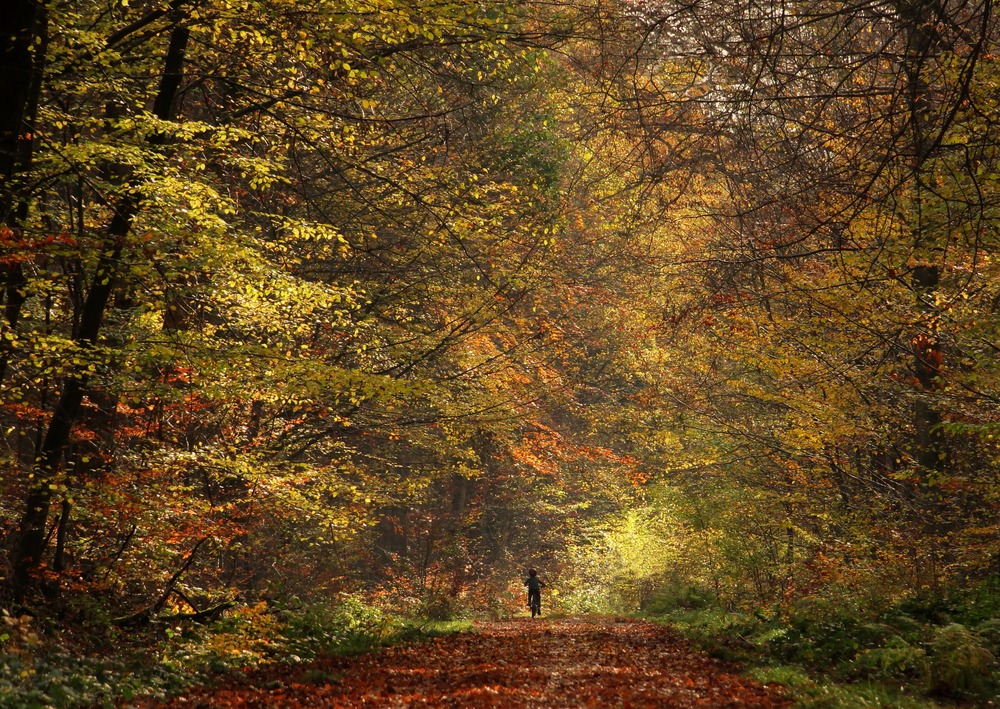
[[302, 298]]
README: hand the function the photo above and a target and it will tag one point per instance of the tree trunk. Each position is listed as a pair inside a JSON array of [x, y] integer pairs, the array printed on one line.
[[22, 24], [927, 359], [23, 33], [923, 41]]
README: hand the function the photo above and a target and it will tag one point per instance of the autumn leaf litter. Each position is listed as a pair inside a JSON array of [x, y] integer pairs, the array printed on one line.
[[513, 663]]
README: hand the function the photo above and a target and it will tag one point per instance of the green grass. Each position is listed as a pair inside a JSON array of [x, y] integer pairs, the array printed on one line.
[[438, 627]]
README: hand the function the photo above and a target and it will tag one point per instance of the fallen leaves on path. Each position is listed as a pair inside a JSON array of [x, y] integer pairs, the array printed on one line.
[[515, 663]]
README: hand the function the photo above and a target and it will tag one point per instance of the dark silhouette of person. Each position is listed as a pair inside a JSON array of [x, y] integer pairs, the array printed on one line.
[[534, 585]]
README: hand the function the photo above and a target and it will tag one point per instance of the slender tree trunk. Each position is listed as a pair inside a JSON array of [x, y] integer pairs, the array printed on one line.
[[59, 558], [23, 35], [921, 17], [21, 25], [927, 124], [928, 357]]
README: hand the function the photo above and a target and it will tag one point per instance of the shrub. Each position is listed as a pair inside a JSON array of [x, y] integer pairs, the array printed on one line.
[[897, 659], [959, 663], [678, 596], [243, 637], [989, 632], [350, 624], [436, 605]]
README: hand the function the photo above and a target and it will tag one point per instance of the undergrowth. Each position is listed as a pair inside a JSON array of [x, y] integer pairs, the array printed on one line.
[[40, 668], [917, 652]]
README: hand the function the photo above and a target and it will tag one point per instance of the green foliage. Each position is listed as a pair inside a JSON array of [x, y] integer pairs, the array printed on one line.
[[64, 681], [187, 653], [620, 562], [348, 625], [677, 596], [436, 605], [844, 658], [812, 693], [959, 663], [989, 631], [897, 658], [244, 637]]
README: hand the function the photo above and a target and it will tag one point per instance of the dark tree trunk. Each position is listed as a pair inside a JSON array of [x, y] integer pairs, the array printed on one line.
[[930, 451], [920, 18], [22, 50], [21, 25]]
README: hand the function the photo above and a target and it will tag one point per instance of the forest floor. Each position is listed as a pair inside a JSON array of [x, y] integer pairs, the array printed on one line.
[[594, 662]]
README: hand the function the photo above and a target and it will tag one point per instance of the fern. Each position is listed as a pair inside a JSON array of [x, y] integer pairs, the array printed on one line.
[[958, 660], [896, 659]]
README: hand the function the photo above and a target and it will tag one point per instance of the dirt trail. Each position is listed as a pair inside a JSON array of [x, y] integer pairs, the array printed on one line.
[[516, 663]]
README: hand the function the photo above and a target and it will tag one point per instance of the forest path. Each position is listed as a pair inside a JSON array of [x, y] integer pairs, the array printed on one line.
[[515, 663]]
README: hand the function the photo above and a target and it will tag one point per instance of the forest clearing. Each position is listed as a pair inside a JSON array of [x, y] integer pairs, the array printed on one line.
[[322, 323]]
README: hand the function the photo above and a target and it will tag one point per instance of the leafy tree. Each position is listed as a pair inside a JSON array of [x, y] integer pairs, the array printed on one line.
[[837, 153]]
